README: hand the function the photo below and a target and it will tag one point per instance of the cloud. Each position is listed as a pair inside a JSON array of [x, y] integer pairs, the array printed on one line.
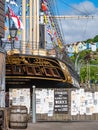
[[80, 29], [86, 8]]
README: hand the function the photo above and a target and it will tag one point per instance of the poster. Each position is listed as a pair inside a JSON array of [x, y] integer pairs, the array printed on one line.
[[60, 101], [45, 101], [84, 102], [20, 97], [75, 102], [95, 102], [89, 104]]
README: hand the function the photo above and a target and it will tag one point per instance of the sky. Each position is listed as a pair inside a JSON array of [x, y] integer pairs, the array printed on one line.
[[76, 29]]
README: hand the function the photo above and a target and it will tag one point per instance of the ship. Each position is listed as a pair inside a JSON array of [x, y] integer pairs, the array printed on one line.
[[39, 67]]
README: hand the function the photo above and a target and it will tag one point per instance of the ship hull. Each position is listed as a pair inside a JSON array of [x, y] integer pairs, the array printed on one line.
[[42, 71]]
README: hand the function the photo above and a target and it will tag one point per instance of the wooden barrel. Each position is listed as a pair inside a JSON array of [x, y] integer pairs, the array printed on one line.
[[18, 117], [1, 119]]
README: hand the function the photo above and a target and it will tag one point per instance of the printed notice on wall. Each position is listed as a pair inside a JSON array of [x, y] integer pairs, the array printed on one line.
[[84, 103], [60, 101], [20, 96], [45, 101]]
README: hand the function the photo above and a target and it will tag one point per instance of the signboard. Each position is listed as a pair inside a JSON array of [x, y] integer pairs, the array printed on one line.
[[60, 101]]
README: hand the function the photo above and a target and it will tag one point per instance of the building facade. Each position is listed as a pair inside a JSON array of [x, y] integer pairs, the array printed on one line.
[[2, 17], [2, 54]]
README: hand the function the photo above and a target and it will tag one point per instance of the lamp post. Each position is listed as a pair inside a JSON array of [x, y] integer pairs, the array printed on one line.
[[13, 33], [76, 61], [34, 104]]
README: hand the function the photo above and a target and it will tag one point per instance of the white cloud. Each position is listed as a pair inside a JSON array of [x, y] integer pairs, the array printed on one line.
[[86, 7], [74, 30], [7, 0]]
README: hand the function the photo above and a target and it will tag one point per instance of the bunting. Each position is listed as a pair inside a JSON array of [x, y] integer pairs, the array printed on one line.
[[45, 19], [43, 7], [59, 43], [5, 28], [51, 30], [15, 18]]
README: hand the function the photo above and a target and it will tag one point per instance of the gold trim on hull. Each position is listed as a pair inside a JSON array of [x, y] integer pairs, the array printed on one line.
[[37, 68]]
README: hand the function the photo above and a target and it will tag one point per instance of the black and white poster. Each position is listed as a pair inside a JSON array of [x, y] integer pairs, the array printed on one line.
[[60, 101]]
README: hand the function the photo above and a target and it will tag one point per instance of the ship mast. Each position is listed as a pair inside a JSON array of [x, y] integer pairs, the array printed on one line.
[[38, 47], [36, 25], [31, 26], [33, 18], [24, 23]]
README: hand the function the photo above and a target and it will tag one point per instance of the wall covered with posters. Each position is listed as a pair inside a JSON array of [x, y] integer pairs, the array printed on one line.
[[55, 101], [48, 101], [62, 104], [20, 97], [59, 103], [51, 101], [84, 103], [45, 101]]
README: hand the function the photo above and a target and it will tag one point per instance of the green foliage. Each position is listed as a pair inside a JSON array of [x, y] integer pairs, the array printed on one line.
[[93, 76], [95, 39], [89, 41], [83, 57], [83, 74]]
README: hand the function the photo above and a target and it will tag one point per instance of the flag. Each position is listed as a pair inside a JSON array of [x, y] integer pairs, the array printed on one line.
[[18, 32], [43, 6], [9, 38], [15, 18], [49, 32], [59, 43], [5, 28], [13, 3], [45, 19], [16, 38]]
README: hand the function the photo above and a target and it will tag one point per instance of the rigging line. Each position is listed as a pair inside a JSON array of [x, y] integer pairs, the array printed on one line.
[[86, 10], [84, 7], [56, 7], [73, 8], [85, 30], [50, 2]]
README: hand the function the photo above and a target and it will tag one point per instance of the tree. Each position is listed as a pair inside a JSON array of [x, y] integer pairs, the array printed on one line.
[[86, 57]]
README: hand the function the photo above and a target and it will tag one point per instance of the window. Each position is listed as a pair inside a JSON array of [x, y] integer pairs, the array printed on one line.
[[17, 69], [55, 72], [37, 71], [8, 69], [30, 70], [48, 72]]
